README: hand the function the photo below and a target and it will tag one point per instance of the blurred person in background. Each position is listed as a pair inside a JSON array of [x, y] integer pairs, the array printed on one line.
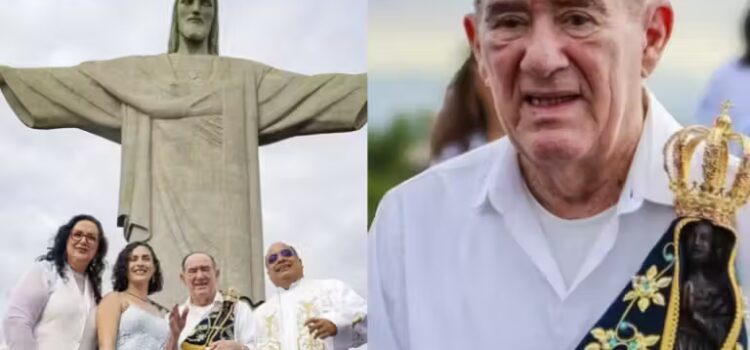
[[467, 119], [53, 307], [731, 82]]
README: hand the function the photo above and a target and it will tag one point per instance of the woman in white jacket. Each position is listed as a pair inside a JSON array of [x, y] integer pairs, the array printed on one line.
[[54, 304]]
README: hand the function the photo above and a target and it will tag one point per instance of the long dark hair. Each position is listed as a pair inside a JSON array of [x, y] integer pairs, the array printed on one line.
[[120, 270], [463, 112], [746, 38], [57, 253], [213, 34]]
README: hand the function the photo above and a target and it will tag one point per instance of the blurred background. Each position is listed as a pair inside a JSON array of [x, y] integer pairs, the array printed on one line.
[[415, 48]]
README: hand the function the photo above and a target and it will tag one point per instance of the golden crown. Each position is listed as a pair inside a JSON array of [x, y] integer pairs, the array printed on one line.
[[711, 199]]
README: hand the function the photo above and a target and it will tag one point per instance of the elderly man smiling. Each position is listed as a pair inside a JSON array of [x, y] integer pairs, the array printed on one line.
[[526, 242], [307, 313], [209, 319]]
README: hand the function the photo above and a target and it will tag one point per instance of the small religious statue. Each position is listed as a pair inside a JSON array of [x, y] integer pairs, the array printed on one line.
[[686, 295], [709, 305], [190, 123], [706, 304]]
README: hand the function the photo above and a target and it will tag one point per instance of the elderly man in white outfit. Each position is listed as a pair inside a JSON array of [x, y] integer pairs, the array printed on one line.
[[525, 243]]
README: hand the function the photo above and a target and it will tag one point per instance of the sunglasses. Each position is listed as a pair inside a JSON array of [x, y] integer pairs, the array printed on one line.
[[286, 252]]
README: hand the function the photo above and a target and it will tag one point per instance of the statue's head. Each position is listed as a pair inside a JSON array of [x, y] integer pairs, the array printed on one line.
[[707, 244], [700, 242], [195, 22]]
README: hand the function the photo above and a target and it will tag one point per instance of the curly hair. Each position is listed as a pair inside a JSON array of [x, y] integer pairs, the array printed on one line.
[[120, 270], [57, 253]]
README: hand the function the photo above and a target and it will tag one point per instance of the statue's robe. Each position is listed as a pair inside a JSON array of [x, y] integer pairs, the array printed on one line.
[[190, 127]]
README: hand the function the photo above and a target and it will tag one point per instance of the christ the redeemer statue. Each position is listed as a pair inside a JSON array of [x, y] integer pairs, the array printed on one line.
[[190, 123]]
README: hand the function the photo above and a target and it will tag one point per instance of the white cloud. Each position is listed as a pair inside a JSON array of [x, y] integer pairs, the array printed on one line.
[[313, 188]]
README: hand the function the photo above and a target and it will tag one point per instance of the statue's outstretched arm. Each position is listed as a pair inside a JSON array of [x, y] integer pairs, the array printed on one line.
[[2, 78], [292, 104], [61, 97]]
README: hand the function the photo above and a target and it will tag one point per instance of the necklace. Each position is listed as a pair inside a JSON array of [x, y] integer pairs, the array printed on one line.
[[145, 300], [149, 302]]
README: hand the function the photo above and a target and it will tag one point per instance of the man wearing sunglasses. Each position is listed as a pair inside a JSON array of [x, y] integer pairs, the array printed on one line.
[[307, 313]]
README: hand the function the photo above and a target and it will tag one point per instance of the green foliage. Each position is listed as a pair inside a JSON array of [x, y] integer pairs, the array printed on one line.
[[396, 153]]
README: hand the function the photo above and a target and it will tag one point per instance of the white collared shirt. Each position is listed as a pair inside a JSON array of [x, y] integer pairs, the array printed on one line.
[[244, 326], [458, 259]]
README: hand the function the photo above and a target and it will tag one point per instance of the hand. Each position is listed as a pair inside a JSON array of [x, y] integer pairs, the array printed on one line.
[[700, 320], [320, 328], [226, 345], [689, 297], [177, 321]]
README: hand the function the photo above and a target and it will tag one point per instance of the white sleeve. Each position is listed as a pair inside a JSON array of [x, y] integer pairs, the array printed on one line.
[[25, 306], [388, 316], [244, 325], [349, 311], [259, 329]]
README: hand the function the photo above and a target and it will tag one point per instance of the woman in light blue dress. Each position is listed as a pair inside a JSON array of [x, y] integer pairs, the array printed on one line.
[[127, 319]]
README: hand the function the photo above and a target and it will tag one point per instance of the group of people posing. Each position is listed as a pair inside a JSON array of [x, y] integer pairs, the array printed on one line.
[[59, 304]]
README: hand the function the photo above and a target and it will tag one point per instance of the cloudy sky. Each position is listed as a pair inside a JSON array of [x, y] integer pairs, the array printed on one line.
[[313, 188], [415, 46]]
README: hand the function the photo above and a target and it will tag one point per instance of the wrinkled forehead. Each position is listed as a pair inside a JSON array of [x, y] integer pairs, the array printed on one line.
[[198, 260], [492, 6]]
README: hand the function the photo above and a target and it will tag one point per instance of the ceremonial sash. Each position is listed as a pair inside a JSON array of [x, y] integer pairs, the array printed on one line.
[[217, 325], [650, 312]]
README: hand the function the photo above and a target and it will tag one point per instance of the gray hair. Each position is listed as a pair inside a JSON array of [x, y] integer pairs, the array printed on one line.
[[184, 260]]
